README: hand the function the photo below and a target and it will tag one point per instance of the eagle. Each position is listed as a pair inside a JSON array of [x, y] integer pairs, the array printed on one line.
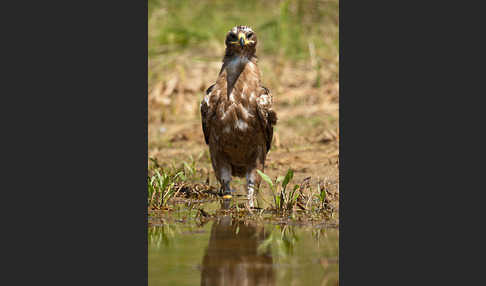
[[237, 116]]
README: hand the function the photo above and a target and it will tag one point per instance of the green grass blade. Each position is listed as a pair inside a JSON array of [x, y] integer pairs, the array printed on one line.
[[266, 179], [296, 196], [288, 177], [322, 193]]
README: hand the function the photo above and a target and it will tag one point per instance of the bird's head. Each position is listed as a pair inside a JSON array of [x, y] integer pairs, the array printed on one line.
[[241, 40]]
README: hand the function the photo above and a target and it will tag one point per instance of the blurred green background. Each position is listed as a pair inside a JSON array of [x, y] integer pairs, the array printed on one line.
[[294, 30]]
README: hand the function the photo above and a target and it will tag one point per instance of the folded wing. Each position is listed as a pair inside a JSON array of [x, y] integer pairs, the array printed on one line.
[[206, 112], [267, 117]]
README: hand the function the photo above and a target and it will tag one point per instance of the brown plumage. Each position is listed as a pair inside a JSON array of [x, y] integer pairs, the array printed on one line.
[[237, 116]]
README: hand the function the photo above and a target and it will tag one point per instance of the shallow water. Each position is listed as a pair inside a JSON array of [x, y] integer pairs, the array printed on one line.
[[231, 251]]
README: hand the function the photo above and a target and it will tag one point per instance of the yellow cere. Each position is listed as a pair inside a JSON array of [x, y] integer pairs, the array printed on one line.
[[242, 35]]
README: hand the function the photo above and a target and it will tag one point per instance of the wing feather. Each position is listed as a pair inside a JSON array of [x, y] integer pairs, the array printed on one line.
[[205, 113], [267, 117]]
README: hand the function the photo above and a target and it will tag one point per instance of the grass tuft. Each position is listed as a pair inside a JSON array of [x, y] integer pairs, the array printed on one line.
[[283, 200], [161, 187]]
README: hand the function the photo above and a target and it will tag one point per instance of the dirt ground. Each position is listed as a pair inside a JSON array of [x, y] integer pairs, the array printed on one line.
[[306, 137]]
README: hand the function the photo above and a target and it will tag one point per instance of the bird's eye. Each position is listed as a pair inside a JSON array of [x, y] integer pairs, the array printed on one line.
[[232, 37], [249, 35]]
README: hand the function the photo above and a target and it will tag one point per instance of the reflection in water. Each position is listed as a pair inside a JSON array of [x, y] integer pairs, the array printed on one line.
[[232, 257], [161, 235], [231, 251]]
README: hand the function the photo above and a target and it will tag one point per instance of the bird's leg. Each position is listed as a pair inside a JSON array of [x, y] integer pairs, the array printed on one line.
[[250, 186], [225, 188], [225, 179]]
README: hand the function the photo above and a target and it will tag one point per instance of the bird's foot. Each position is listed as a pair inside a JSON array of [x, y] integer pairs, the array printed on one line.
[[225, 204], [227, 194]]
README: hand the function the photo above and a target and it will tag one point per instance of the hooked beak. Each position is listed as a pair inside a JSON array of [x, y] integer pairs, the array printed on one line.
[[242, 39], [242, 42]]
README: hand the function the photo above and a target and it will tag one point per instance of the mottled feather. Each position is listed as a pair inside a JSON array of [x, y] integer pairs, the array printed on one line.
[[236, 112]]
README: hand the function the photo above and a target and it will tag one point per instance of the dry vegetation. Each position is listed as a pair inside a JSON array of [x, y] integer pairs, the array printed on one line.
[[298, 52]]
